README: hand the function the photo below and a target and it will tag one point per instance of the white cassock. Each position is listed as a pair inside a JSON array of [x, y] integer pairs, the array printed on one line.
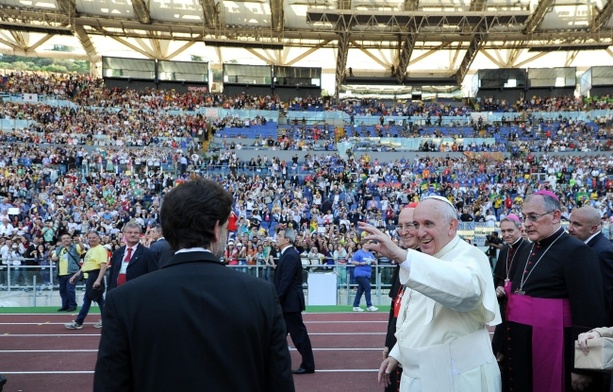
[[443, 343]]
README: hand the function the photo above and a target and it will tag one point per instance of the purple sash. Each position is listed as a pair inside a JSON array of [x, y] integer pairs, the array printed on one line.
[[548, 318]]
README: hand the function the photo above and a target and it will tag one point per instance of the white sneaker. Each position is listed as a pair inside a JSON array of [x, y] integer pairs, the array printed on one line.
[[357, 309], [98, 325], [73, 325], [372, 309]]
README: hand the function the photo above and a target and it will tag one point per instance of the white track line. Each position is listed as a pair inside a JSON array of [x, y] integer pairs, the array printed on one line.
[[92, 372], [39, 351], [40, 335], [48, 351], [44, 335], [306, 322]]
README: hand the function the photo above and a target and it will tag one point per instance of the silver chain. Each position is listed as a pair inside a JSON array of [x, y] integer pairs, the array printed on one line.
[[509, 265], [524, 278]]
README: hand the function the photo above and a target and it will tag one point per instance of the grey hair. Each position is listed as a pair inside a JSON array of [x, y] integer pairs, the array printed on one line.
[[133, 224], [448, 210], [550, 203], [517, 224], [290, 234]]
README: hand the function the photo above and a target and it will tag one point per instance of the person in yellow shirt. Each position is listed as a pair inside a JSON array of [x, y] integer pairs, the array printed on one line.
[[95, 265], [67, 257], [497, 206]]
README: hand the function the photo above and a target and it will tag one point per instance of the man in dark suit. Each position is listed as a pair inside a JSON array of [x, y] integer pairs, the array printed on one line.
[[159, 245], [288, 281], [295, 180], [586, 225], [132, 260], [194, 324]]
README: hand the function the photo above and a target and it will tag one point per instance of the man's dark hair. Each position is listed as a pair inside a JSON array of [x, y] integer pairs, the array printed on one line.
[[189, 213]]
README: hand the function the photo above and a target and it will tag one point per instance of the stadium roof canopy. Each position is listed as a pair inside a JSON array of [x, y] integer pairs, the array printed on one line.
[[392, 38]]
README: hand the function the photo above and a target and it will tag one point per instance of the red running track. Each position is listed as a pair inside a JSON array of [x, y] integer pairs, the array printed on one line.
[[38, 354]]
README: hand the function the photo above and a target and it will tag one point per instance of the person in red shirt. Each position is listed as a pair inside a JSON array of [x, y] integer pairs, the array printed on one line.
[[508, 202], [232, 224]]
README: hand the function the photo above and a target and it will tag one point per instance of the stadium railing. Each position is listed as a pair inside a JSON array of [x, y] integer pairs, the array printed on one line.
[[32, 280]]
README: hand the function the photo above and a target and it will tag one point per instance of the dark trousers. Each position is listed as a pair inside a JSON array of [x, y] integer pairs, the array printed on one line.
[[363, 288], [67, 292], [298, 332], [87, 299]]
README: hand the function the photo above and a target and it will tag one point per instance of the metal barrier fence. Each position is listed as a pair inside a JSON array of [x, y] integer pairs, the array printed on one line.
[[27, 277], [29, 280], [381, 279]]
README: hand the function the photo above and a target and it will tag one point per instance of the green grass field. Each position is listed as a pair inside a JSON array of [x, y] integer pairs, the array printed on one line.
[[95, 310]]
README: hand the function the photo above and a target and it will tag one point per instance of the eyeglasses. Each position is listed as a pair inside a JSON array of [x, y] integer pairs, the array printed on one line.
[[408, 226], [535, 217]]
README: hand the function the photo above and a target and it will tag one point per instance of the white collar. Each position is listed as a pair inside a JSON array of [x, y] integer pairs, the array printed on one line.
[[592, 236], [516, 241], [196, 249]]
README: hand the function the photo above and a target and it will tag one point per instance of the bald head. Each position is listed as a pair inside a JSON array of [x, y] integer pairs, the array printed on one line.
[[406, 228], [584, 222]]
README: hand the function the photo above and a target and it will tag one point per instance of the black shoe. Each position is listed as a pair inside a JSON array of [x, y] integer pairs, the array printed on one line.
[[62, 309], [303, 371], [71, 309]]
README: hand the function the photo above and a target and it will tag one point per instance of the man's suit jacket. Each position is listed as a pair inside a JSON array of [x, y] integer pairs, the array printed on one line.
[[288, 281], [161, 247], [604, 250], [194, 325], [143, 261]]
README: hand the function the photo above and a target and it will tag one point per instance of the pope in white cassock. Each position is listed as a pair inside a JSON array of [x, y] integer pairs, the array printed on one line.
[[443, 342]]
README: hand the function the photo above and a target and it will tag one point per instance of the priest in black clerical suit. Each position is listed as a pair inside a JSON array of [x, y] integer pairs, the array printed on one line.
[[556, 293], [512, 235]]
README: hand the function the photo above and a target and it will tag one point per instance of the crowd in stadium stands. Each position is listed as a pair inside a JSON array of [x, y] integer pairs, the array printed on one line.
[[137, 128], [68, 186], [326, 214], [548, 104], [56, 124], [141, 115], [324, 205], [88, 91]]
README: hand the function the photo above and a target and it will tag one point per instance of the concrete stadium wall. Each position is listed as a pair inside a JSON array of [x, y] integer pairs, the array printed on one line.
[[286, 155], [247, 154]]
